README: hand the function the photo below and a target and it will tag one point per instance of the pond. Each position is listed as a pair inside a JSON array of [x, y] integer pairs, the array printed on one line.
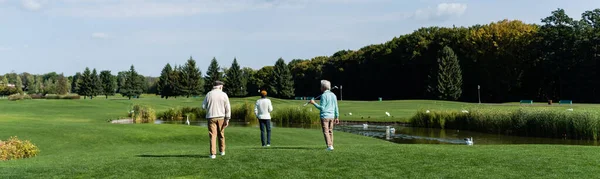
[[412, 135]]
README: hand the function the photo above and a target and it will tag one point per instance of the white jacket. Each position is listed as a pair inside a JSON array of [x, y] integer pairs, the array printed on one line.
[[217, 105], [263, 108]]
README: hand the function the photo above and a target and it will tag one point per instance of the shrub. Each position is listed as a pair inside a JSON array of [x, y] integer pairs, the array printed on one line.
[[193, 113], [16, 97], [142, 114], [68, 96], [244, 112], [291, 115], [522, 122], [5, 90], [14, 148], [36, 96]]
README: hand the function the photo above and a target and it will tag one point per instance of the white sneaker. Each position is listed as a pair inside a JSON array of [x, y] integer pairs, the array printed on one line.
[[330, 148], [268, 145], [213, 156], [222, 153]]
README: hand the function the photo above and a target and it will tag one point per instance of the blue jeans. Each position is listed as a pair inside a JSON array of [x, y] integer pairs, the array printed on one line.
[[265, 125]]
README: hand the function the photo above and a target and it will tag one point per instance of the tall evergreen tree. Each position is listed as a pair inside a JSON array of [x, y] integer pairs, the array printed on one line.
[[85, 83], [165, 89], [212, 74], [109, 83], [191, 79], [176, 81], [236, 85], [446, 79], [62, 86], [283, 84], [96, 84], [133, 85]]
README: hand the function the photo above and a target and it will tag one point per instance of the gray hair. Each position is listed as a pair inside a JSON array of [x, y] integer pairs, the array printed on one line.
[[326, 84]]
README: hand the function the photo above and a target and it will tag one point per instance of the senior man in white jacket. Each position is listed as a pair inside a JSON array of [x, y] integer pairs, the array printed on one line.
[[218, 113], [263, 109]]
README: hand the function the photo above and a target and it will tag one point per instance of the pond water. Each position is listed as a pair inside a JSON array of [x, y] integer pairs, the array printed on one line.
[[412, 135]]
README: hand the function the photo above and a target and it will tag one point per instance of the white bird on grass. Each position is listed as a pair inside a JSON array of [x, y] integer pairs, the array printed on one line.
[[387, 113], [469, 141]]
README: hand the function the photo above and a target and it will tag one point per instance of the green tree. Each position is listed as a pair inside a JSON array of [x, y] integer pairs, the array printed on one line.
[[121, 79], [62, 86], [212, 74], [49, 86], [446, 80], [37, 85], [96, 84], [283, 84], [235, 80], [75, 83], [134, 85], [4, 80], [19, 85], [176, 81], [191, 77], [28, 82], [165, 86], [248, 75], [109, 83], [151, 85], [262, 77], [85, 83]]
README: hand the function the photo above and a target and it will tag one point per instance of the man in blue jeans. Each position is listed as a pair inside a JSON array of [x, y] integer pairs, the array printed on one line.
[[329, 112]]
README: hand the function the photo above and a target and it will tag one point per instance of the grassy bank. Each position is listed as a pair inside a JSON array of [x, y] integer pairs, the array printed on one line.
[[532, 122], [76, 142]]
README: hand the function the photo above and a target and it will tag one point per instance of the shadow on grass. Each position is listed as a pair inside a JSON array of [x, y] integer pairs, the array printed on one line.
[[284, 148], [172, 156]]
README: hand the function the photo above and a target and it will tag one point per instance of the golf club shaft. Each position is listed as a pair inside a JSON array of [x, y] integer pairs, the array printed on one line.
[[314, 98], [335, 87]]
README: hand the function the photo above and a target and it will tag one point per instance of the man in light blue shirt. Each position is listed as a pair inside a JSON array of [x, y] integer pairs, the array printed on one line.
[[329, 112]]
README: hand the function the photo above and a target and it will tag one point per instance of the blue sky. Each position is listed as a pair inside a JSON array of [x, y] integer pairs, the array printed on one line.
[[65, 36]]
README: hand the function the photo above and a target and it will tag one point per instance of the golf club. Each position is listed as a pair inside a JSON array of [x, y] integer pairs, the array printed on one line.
[[335, 87]]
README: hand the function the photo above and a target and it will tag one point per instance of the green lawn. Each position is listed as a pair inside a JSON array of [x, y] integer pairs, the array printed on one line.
[[77, 142]]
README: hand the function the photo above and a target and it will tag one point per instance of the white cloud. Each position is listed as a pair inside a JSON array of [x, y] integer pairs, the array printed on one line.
[[32, 5], [99, 35], [443, 11]]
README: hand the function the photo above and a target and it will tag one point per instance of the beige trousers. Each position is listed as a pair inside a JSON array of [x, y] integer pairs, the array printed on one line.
[[327, 125], [215, 129]]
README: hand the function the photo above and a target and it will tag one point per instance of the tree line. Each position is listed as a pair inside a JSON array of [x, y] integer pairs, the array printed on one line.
[[509, 60], [187, 80]]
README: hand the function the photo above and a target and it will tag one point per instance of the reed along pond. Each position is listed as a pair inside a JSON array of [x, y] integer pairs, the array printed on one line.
[[404, 134]]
